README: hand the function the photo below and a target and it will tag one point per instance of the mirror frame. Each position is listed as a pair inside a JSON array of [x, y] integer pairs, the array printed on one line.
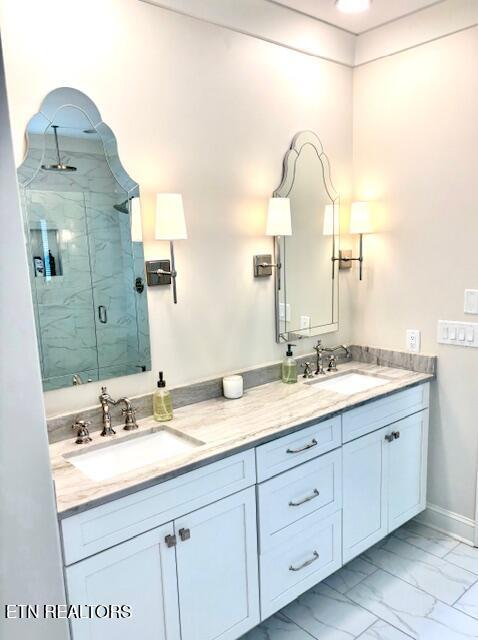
[[299, 141], [52, 103]]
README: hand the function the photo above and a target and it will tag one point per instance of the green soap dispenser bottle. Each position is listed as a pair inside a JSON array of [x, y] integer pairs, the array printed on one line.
[[289, 367], [162, 401]]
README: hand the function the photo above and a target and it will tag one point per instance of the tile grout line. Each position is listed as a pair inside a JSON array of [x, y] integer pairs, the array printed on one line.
[[378, 618], [418, 589], [294, 622], [430, 552], [463, 594]]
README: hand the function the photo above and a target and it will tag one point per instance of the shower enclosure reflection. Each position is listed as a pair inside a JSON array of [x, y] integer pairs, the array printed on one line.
[[87, 273]]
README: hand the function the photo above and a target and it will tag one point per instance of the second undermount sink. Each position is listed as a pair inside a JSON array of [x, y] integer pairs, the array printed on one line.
[[109, 459], [348, 383]]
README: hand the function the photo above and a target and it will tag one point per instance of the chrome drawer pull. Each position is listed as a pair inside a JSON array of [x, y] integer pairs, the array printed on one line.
[[396, 435], [305, 564], [307, 446], [389, 437], [297, 504]]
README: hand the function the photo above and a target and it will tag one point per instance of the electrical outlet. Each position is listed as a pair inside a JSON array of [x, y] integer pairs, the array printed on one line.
[[305, 322], [413, 340]]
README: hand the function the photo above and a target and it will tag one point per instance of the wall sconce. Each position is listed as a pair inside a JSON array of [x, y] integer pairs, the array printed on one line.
[[360, 223], [170, 225], [278, 224]]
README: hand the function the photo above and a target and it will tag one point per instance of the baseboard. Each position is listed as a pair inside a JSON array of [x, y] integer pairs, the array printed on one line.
[[453, 524]]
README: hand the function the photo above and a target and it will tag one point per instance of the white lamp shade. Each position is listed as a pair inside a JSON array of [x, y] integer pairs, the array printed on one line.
[[331, 220], [136, 226], [170, 221], [278, 217], [360, 218]]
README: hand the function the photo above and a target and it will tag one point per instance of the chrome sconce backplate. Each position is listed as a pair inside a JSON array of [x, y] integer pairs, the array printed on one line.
[[263, 265], [154, 278]]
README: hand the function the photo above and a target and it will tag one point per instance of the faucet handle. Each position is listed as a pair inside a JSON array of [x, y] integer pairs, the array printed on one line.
[[307, 370], [82, 431], [130, 418], [332, 363]]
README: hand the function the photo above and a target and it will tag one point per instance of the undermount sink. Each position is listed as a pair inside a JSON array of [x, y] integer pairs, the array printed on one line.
[[110, 459], [348, 383]]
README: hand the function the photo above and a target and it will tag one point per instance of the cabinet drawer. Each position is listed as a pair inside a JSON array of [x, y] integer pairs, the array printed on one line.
[[310, 487], [380, 413], [107, 525], [286, 452], [309, 552]]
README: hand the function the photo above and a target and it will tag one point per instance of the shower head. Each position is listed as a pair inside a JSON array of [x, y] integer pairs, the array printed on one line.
[[122, 207], [59, 166]]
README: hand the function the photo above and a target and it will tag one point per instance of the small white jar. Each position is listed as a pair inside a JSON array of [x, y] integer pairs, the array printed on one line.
[[233, 387]]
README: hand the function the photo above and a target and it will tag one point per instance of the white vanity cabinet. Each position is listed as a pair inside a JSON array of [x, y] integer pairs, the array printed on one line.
[[193, 578], [140, 573], [384, 472], [208, 554]]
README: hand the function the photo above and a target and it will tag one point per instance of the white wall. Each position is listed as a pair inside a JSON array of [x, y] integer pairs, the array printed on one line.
[[204, 111], [415, 152], [30, 566]]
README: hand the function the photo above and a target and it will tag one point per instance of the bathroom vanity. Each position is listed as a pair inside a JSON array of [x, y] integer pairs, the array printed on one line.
[[277, 491]]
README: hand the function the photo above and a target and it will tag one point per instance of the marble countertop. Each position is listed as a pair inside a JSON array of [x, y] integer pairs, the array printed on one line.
[[224, 426]]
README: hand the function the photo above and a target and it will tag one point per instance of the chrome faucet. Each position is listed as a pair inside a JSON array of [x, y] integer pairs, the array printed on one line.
[[106, 400], [320, 358], [332, 359], [128, 411]]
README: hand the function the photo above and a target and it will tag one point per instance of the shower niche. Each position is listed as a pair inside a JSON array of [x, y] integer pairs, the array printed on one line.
[[85, 261]]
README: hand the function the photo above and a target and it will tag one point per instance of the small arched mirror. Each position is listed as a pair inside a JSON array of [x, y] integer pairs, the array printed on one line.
[[307, 283], [83, 230]]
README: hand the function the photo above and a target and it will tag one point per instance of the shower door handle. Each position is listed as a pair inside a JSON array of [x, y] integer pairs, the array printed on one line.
[[102, 314]]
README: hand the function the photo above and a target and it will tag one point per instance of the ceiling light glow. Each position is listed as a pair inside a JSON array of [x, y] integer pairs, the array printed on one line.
[[353, 6]]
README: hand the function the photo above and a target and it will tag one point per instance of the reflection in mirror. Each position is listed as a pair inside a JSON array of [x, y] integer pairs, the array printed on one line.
[[307, 289], [86, 267]]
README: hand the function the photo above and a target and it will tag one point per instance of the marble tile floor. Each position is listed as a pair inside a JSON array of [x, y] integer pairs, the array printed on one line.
[[417, 583]]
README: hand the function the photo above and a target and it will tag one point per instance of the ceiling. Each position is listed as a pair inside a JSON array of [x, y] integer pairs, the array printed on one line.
[[380, 12]]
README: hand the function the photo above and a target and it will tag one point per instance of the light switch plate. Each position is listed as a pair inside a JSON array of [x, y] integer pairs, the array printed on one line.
[[471, 301], [413, 340], [463, 334]]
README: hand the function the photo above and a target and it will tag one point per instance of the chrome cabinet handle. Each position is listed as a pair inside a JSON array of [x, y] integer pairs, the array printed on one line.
[[184, 534], [315, 493], [390, 437], [305, 564], [102, 314], [170, 540], [304, 448]]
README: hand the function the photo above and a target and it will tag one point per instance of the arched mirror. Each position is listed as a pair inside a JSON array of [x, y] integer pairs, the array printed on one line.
[[83, 230], [307, 282]]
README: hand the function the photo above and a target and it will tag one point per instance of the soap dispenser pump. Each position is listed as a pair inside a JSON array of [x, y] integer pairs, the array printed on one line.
[[162, 401], [289, 367]]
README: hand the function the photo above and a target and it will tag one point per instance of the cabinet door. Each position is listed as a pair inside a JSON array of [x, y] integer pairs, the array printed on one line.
[[364, 493], [218, 569], [407, 476], [140, 573]]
